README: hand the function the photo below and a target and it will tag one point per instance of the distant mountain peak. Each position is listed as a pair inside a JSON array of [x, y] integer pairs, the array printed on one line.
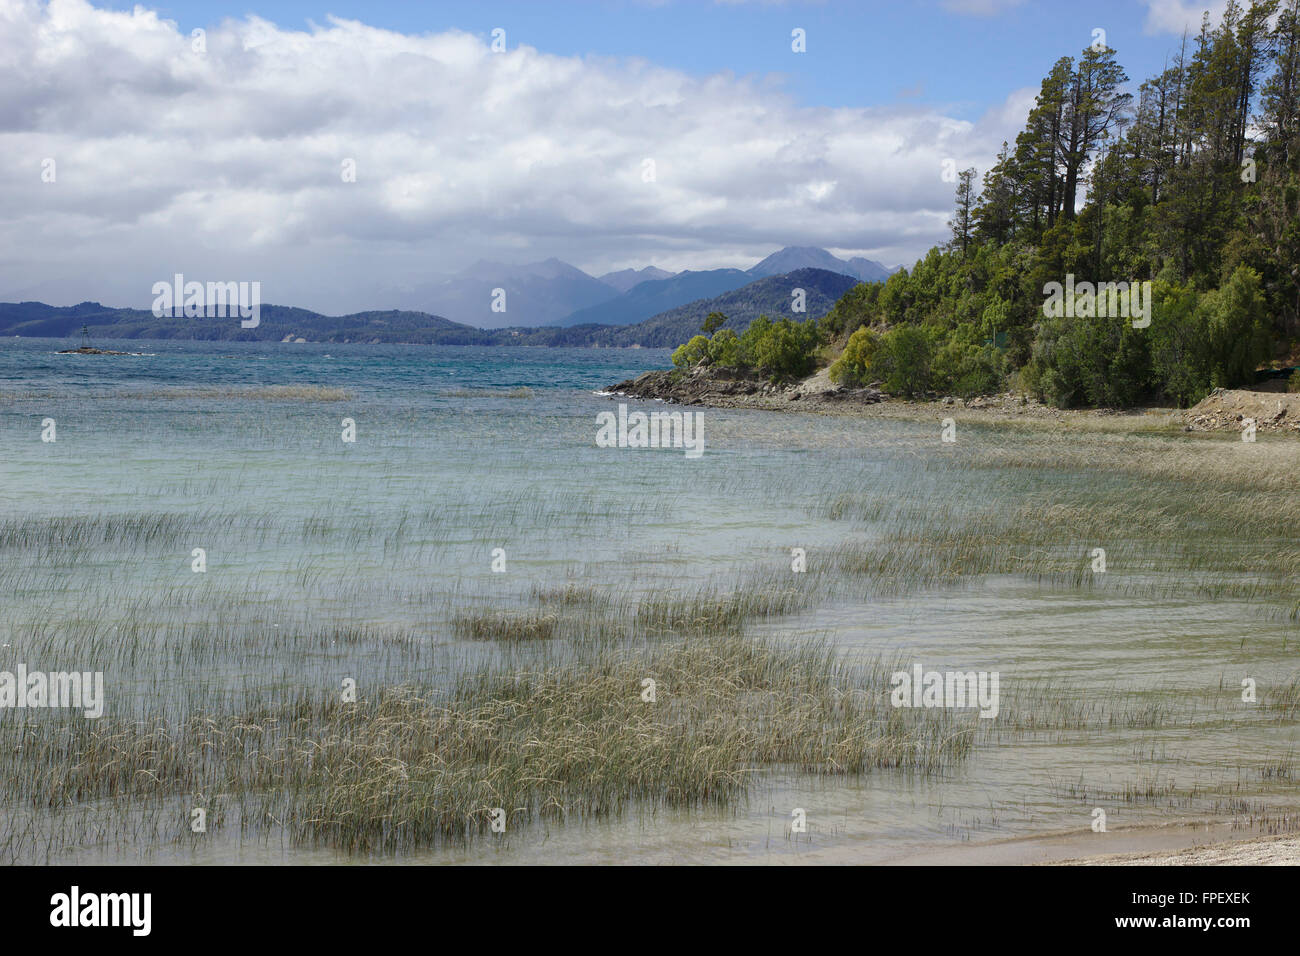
[[625, 279], [550, 268], [812, 257]]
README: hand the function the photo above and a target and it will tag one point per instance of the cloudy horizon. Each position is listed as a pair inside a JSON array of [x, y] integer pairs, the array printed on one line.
[[343, 164]]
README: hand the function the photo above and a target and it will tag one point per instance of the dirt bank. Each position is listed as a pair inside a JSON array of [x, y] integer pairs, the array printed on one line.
[[1229, 408]]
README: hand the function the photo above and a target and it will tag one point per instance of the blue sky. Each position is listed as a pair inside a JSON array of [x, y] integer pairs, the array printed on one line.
[[611, 134]]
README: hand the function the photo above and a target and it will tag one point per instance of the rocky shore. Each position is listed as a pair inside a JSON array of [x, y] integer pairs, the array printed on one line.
[[730, 388], [1221, 410]]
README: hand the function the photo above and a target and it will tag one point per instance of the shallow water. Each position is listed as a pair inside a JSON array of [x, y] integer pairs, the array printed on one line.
[[451, 461]]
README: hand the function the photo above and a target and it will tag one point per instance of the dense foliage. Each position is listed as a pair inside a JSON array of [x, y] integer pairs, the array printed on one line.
[[783, 349], [1192, 185]]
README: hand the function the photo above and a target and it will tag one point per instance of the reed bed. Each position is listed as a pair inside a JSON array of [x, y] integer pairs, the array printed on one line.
[[523, 691], [409, 767], [505, 626]]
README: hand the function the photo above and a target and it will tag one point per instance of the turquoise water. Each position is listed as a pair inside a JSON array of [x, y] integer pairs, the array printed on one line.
[[461, 451]]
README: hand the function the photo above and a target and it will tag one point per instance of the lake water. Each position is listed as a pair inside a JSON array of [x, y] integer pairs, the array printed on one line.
[[462, 451]]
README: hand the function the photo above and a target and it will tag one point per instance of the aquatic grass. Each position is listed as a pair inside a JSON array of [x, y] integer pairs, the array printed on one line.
[[491, 625], [225, 686], [409, 767]]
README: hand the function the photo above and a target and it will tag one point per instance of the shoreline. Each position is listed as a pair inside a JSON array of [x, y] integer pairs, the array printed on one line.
[[1223, 410], [1171, 844], [1174, 844]]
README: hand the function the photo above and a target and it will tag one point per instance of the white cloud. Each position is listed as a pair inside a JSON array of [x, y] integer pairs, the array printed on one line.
[[226, 164], [1181, 16]]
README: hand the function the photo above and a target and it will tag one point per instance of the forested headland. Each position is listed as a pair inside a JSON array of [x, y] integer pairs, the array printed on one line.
[[1190, 183]]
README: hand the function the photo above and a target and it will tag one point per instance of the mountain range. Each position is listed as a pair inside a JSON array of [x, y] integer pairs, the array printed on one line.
[[552, 292], [650, 298], [772, 295], [657, 309]]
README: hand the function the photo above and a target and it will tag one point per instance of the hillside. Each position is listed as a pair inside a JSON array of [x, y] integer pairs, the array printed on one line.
[[770, 296], [652, 297], [1175, 278], [277, 322]]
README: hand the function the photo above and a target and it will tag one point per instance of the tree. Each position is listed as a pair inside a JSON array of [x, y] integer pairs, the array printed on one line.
[[963, 220], [1093, 108]]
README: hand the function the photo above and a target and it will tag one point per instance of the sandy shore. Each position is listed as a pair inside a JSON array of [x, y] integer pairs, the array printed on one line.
[[1175, 844], [1271, 851]]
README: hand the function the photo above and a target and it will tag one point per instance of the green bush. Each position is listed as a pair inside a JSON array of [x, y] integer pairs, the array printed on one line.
[[1234, 317], [854, 364], [692, 353], [724, 349], [1215, 340], [1103, 362], [1180, 349], [902, 360], [782, 349], [964, 365], [855, 308]]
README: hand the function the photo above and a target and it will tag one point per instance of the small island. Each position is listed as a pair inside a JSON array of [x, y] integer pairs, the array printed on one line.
[[85, 348]]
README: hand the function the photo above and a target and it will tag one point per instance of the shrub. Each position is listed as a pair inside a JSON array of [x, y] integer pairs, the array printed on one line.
[[782, 349], [1180, 351], [902, 360], [692, 353], [1234, 317], [1092, 361], [1215, 340], [964, 365], [724, 349], [853, 365]]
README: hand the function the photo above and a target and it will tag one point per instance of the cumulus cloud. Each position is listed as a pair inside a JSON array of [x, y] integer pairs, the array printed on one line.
[[1181, 16], [227, 162]]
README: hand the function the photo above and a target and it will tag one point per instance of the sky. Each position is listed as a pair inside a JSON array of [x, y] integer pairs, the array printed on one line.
[[341, 152]]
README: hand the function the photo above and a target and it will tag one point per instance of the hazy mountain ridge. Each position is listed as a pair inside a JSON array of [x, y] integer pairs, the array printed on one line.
[[36, 319], [654, 312], [536, 293], [553, 292], [648, 299], [771, 295], [625, 279]]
